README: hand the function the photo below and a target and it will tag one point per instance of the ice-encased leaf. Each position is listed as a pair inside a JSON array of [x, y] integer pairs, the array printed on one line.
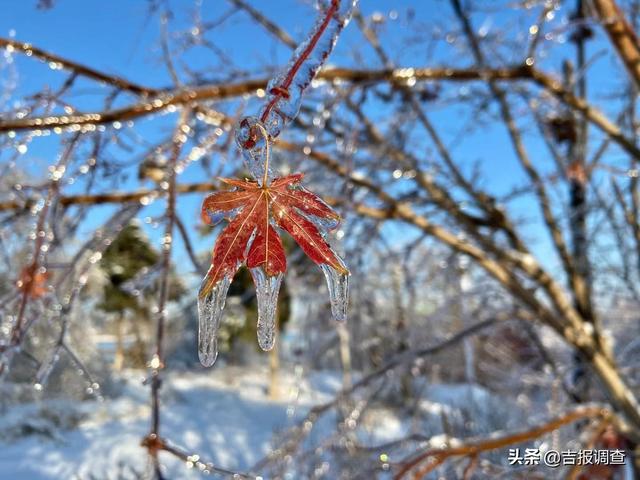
[[338, 284], [251, 238], [210, 307], [267, 288]]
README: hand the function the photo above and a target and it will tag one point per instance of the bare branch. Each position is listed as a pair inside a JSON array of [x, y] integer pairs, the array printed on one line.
[[495, 442], [621, 34], [119, 82]]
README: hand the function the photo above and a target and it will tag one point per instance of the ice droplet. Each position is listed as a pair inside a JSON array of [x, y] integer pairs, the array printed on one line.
[[216, 216], [210, 308], [324, 223], [267, 288], [251, 139], [338, 284]]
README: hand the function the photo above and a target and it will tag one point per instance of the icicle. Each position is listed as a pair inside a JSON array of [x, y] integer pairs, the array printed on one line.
[[338, 284], [267, 288], [210, 309]]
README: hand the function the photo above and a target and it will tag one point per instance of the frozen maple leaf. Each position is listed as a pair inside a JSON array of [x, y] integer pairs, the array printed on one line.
[[256, 209], [251, 236], [255, 213]]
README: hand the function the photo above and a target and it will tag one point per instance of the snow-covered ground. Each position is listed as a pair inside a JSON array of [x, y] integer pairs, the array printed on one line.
[[225, 415]]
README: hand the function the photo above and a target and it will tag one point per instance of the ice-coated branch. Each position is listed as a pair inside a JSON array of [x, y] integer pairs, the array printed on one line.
[[75, 67], [168, 98], [495, 261], [165, 99], [296, 435], [415, 467], [76, 277], [33, 276], [153, 442], [271, 27], [193, 460], [146, 196], [285, 90]]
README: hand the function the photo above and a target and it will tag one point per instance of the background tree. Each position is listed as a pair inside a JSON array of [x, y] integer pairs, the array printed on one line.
[[125, 258]]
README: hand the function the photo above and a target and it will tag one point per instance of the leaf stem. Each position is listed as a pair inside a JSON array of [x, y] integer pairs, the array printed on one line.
[[267, 156]]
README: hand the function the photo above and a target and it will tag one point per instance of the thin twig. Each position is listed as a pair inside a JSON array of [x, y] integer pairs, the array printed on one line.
[[119, 82], [157, 362], [271, 27]]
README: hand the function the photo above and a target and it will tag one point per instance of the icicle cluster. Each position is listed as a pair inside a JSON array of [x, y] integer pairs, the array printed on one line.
[[253, 136]]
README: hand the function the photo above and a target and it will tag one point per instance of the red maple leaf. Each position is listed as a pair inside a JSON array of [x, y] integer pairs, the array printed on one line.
[[250, 236]]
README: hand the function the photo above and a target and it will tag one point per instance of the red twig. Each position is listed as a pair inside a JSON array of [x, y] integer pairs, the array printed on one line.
[[156, 445], [282, 90]]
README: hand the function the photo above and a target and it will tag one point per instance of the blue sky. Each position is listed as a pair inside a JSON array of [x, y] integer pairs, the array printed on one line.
[[120, 37]]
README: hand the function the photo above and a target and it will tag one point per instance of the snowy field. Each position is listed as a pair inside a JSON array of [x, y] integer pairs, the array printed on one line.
[[224, 415]]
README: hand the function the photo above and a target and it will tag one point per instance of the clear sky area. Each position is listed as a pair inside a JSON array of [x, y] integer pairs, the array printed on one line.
[[122, 37]]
